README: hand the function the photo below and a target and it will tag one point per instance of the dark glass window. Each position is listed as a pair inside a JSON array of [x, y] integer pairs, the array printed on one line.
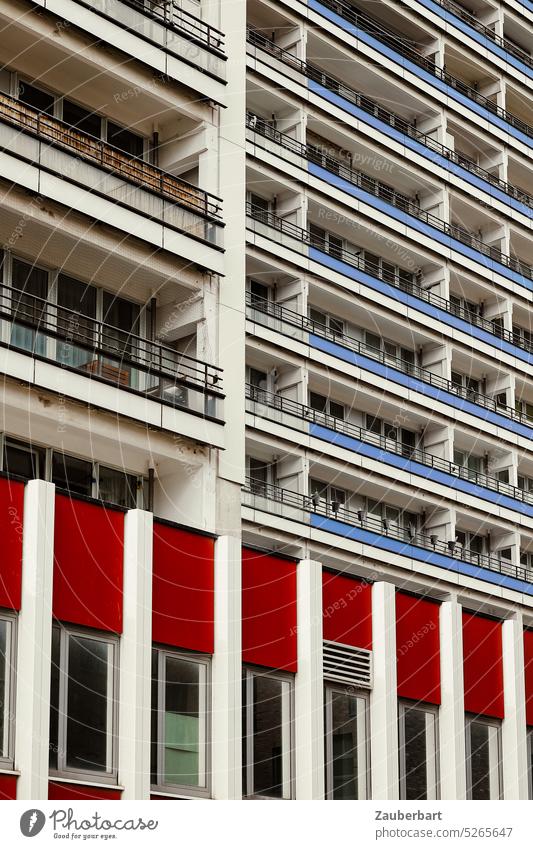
[[129, 143], [418, 777], [35, 97], [72, 474], [81, 118]]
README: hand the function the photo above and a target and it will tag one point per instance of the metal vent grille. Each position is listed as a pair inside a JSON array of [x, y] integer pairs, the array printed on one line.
[[347, 665]]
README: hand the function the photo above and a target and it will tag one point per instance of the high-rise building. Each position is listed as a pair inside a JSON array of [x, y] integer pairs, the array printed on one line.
[[266, 346]]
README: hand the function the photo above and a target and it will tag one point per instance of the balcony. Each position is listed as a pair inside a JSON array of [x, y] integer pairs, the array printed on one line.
[[302, 418], [293, 324], [409, 284], [374, 109], [376, 28], [52, 144], [369, 530], [291, 149], [77, 343], [170, 26]]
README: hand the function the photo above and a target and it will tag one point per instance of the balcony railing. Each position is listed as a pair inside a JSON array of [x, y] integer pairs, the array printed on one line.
[[375, 187], [171, 14], [261, 402], [404, 283], [394, 40], [104, 156], [372, 107], [296, 506], [260, 310], [79, 343]]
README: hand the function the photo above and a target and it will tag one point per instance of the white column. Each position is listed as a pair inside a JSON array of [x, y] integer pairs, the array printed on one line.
[[135, 657], [226, 672], [34, 638], [384, 698], [452, 710], [514, 744], [309, 685]]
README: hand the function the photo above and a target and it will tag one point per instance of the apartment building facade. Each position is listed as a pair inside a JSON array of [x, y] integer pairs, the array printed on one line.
[[266, 477]]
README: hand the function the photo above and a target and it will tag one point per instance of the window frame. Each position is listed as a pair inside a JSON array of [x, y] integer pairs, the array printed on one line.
[[329, 689], [63, 771], [403, 706], [7, 762], [493, 723], [204, 660], [248, 675]]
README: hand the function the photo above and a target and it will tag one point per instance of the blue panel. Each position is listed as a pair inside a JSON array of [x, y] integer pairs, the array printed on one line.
[[431, 155], [418, 304], [429, 78], [416, 468], [418, 385], [406, 549], [409, 220]]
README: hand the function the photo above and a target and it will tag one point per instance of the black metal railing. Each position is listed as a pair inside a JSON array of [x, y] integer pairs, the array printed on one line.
[[78, 342], [259, 307], [130, 168], [260, 399], [171, 14], [372, 107], [313, 154], [468, 18], [399, 43], [404, 281], [409, 535]]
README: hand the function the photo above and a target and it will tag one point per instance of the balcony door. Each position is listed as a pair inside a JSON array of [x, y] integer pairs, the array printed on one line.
[[76, 323], [28, 306]]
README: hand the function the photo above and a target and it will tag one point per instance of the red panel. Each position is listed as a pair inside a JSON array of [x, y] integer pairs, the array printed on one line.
[[347, 610], [417, 648], [8, 787], [528, 664], [269, 611], [57, 791], [183, 600], [88, 569], [11, 520], [483, 665]]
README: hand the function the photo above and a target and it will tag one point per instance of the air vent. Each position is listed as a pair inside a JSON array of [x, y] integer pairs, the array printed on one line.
[[347, 665]]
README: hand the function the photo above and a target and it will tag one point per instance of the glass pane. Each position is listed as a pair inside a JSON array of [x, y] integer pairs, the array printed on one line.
[[184, 743], [484, 761], [269, 737], [35, 97], [348, 756], [75, 322], [54, 699], [4, 688], [83, 119], [89, 705], [129, 143], [418, 756], [72, 474], [117, 487], [154, 735], [30, 289], [22, 460]]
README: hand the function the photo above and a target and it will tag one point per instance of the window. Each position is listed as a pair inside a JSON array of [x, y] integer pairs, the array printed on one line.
[[260, 208], [525, 408], [326, 495], [346, 755], [530, 762], [463, 308], [36, 98], [259, 293], [83, 703], [267, 735], [22, 459], [118, 487], [324, 241], [471, 462], [406, 438], [396, 522], [326, 405], [465, 385], [180, 722], [259, 472], [7, 693], [418, 751], [334, 325], [522, 337], [471, 543], [81, 118], [391, 351], [525, 483], [483, 758], [128, 142], [72, 474]]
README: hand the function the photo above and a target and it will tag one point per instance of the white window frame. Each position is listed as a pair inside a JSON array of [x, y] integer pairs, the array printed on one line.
[[433, 778], [249, 674], [7, 698], [363, 720], [110, 775], [498, 769], [204, 702]]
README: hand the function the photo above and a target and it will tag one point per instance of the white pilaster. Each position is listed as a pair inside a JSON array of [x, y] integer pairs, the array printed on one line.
[[384, 699], [226, 673], [452, 711], [34, 642], [135, 657], [514, 744], [309, 686]]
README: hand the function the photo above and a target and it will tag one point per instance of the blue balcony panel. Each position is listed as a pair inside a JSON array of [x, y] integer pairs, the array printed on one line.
[[406, 549], [413, 467]]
